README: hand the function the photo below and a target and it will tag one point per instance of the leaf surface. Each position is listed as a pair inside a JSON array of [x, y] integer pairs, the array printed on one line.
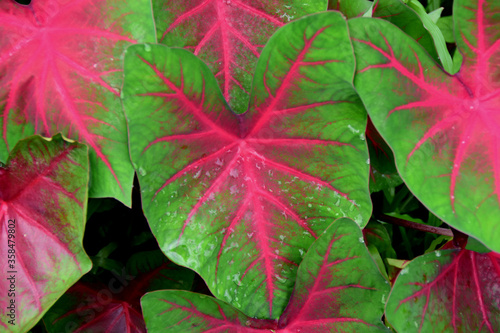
[[228, 35], [443, 129], [338, 288], [43, 190], [405, 18], [447, 291], [247, 194], [61, 71]]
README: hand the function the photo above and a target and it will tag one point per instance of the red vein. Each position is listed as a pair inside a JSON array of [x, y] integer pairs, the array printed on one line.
[[218, 181], [286, 81], [185, 16], [188, 136], [186, 101], [259, 13], [304, 176], [479, 292], [193, 165]]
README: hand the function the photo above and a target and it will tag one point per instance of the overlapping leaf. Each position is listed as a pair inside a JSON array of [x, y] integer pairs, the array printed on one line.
[[405, 18], [338, 289], [443, 129], [228, 35], [447, 291], [43, 191], [60, 71], [240, 198], [113, 307]]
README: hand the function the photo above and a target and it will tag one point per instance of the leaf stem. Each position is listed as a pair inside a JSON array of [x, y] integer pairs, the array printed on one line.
[[415, 225]]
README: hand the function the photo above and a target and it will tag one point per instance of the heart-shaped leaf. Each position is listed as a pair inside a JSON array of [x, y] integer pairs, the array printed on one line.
[[443, 129], [43, 202], [240, 198], [447, 291], [61, 71], [228, 35], [338, 288]]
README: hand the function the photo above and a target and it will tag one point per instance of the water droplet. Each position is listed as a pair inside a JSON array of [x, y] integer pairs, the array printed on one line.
[[352, 129], [234, 173], [361, 240], [147, 47], [438, 254], [142, 172], [233, 189], [368, 161], [280, 279]]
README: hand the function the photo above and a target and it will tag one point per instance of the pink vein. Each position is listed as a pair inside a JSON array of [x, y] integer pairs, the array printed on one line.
[[184, 17], [189, 136], [226, 56], [186, 101], [299, 141], [72, 111], [288, 211], [259, 13], [304, 176], [192, 166], [479, 292], [214, 187], [262, 241], [459, 158], [286, 81], [394, 63], [237, 217], [317, 279]]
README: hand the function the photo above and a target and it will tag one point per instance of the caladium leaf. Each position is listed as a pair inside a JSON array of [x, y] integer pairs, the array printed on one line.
[[338, 288], [183, 311], [246, 195], [228, 35], [405, 18], [447, 291], [351, 8], [113, 306], [94, 308], [442, 129], [61, 71], [43, 199]]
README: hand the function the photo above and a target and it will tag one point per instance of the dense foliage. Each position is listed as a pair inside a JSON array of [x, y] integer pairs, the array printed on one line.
[[244, 166]]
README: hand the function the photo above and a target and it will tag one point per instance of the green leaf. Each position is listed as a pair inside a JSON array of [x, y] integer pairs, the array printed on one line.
[[337, 272], [443, 129], [246, 195]]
